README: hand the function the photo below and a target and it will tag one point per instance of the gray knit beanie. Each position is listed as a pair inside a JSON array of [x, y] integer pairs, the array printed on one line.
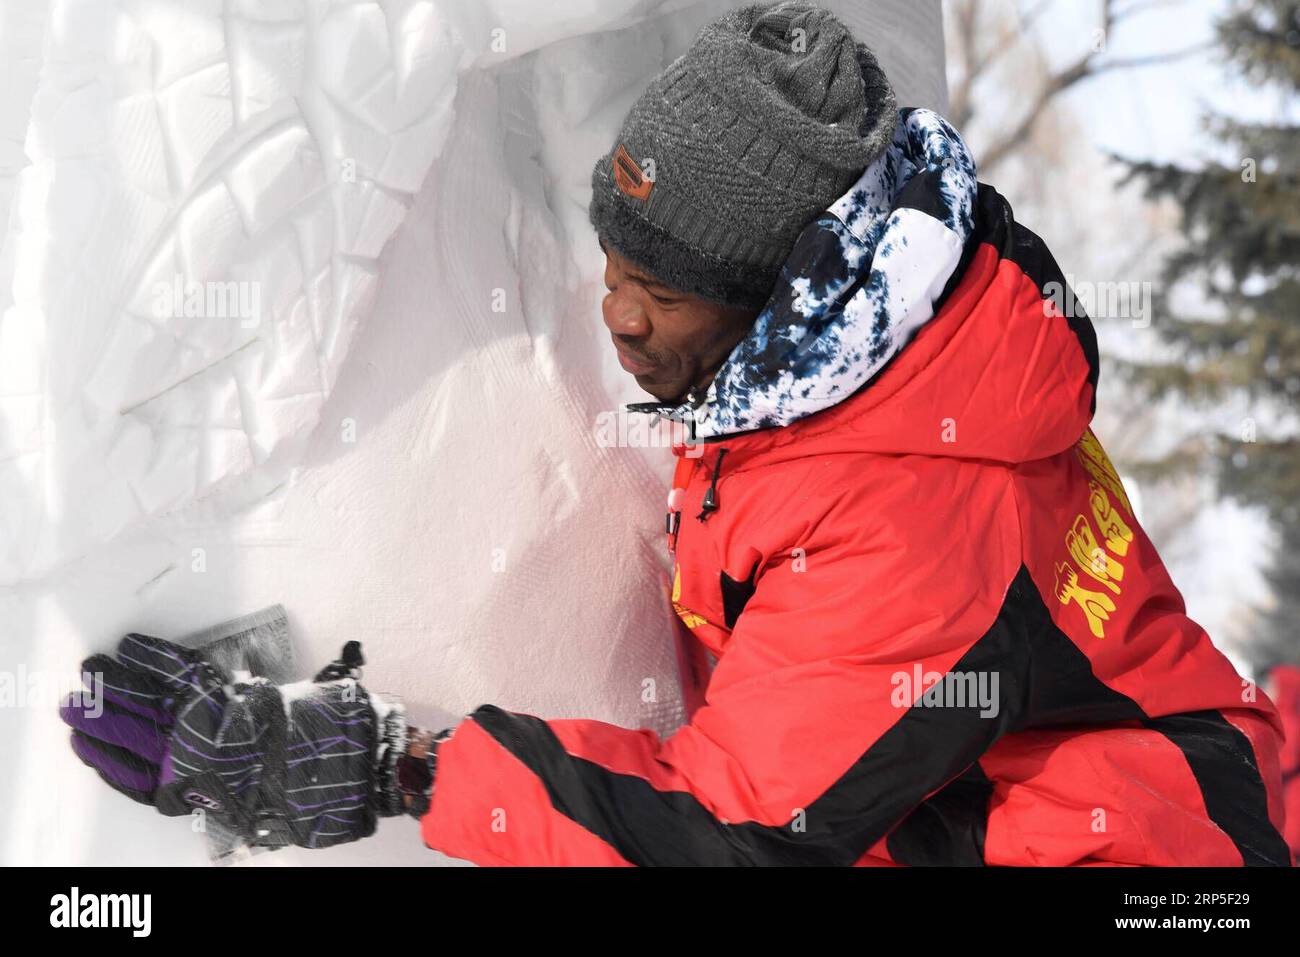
[[768, 118]]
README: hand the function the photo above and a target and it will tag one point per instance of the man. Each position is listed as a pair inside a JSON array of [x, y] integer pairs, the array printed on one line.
[[941, 635]]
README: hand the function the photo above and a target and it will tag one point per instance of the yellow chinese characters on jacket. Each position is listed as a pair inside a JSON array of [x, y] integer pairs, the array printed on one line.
[[1091, 574]]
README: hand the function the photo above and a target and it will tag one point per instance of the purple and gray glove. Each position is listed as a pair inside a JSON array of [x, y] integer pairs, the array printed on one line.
[[312, 763]]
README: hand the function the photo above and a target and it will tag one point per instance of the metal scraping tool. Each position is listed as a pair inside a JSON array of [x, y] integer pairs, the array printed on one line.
[[257, 643]]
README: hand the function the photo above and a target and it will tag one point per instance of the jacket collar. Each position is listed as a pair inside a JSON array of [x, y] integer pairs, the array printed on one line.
[[860, 281]]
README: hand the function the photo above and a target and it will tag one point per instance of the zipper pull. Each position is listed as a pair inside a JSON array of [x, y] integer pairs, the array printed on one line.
[[673, 520], [710, 503]]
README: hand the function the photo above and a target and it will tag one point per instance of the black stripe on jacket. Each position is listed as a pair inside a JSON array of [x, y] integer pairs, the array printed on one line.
[[1045, 680]]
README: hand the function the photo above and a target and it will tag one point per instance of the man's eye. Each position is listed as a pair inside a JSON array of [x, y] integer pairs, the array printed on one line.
[[663, 300]]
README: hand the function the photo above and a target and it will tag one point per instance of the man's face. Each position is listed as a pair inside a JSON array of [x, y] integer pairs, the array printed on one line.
[[668, 340]]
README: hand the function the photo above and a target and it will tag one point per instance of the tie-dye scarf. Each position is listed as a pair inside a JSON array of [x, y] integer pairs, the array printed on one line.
[[858, 284]]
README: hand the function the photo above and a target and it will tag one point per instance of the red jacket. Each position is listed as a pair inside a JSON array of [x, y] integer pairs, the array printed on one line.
[[1285, 688], [941, 637]]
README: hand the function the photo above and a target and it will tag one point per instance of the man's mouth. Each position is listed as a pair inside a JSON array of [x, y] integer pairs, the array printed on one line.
[[633, 363]]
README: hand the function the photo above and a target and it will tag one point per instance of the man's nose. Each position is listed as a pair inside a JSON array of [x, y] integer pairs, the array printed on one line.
[[624, 316]]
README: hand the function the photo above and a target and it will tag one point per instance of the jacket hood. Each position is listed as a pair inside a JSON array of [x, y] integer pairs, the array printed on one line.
[[914, 316]]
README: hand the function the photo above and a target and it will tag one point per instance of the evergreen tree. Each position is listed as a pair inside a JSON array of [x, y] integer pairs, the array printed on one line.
[[1241, 225]]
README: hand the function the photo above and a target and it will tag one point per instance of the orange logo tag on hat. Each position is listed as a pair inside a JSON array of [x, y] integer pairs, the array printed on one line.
[[628, 176]]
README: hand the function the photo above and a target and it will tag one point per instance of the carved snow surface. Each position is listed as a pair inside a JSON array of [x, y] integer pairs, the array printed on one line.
[[197, 235], [380, 406]]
